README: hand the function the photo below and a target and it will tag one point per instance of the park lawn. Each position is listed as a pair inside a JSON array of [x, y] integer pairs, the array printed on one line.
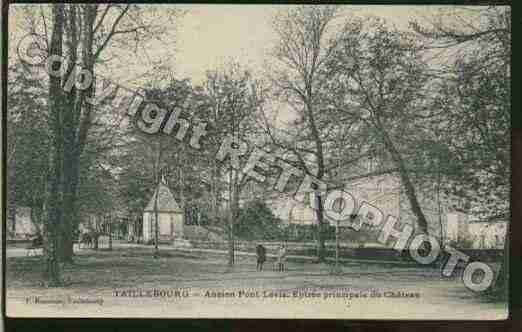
[[117, 268], [103, 271], [129, 267], [99, 273]]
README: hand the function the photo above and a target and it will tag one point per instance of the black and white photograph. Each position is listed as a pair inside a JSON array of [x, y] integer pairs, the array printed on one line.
[[258, 161]]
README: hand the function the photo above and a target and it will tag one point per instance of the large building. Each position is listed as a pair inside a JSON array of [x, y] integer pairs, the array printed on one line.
[[445, 221], [468, 232], [383, 192], [386, 193]]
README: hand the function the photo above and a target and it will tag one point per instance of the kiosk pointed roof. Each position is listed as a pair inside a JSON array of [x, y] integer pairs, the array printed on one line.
[[166, 200]]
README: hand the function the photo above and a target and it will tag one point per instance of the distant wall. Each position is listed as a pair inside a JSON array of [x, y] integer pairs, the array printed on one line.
[[196, 232]]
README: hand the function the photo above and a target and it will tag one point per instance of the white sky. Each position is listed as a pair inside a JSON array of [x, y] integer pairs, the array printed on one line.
[[211, 34], [207, 36]]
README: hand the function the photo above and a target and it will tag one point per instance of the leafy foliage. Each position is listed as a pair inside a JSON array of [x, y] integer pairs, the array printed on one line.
[[476, 135], [257, 221]]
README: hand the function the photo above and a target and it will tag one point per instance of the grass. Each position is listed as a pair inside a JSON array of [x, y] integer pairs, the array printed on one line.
[[123, 268], [99, 273], [135, 267]]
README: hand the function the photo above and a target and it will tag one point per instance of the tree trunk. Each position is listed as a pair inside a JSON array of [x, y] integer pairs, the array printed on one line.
[[422, 223], [337, 246], [75, 130], [215, 190], [156, 216], [69, 132], [231, 217], [319, 212], [11, 196], [110, 232], [96, 233], [136, 230], [321, 254], [231, 255], [55, 117], [96, 240], [69, 207]]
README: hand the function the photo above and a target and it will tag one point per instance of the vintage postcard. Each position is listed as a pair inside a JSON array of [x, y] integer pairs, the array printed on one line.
[[260, 161]]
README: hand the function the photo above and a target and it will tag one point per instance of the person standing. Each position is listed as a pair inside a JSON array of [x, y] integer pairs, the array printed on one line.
[[281, 258], [261, 257]]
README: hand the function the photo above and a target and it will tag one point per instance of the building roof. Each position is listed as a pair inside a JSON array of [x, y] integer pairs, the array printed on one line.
[[166, 201]]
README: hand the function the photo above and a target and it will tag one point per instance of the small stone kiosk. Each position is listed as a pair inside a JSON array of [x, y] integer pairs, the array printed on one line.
[[170, 217]]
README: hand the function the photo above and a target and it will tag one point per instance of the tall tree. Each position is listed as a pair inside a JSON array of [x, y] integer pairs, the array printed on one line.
[[478, 92], [381, 83], [27, 143], [478, 96], [56, 110], [305, 44], [86, 34], [233, 104]]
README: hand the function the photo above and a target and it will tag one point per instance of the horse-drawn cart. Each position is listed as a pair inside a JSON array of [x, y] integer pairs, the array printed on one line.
[[36, 244]]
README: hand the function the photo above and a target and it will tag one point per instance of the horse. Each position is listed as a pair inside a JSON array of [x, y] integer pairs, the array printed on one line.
[[36, 243], [87, 239]]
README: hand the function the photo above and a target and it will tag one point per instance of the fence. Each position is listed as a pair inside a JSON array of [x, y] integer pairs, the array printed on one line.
[[367, 253]]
